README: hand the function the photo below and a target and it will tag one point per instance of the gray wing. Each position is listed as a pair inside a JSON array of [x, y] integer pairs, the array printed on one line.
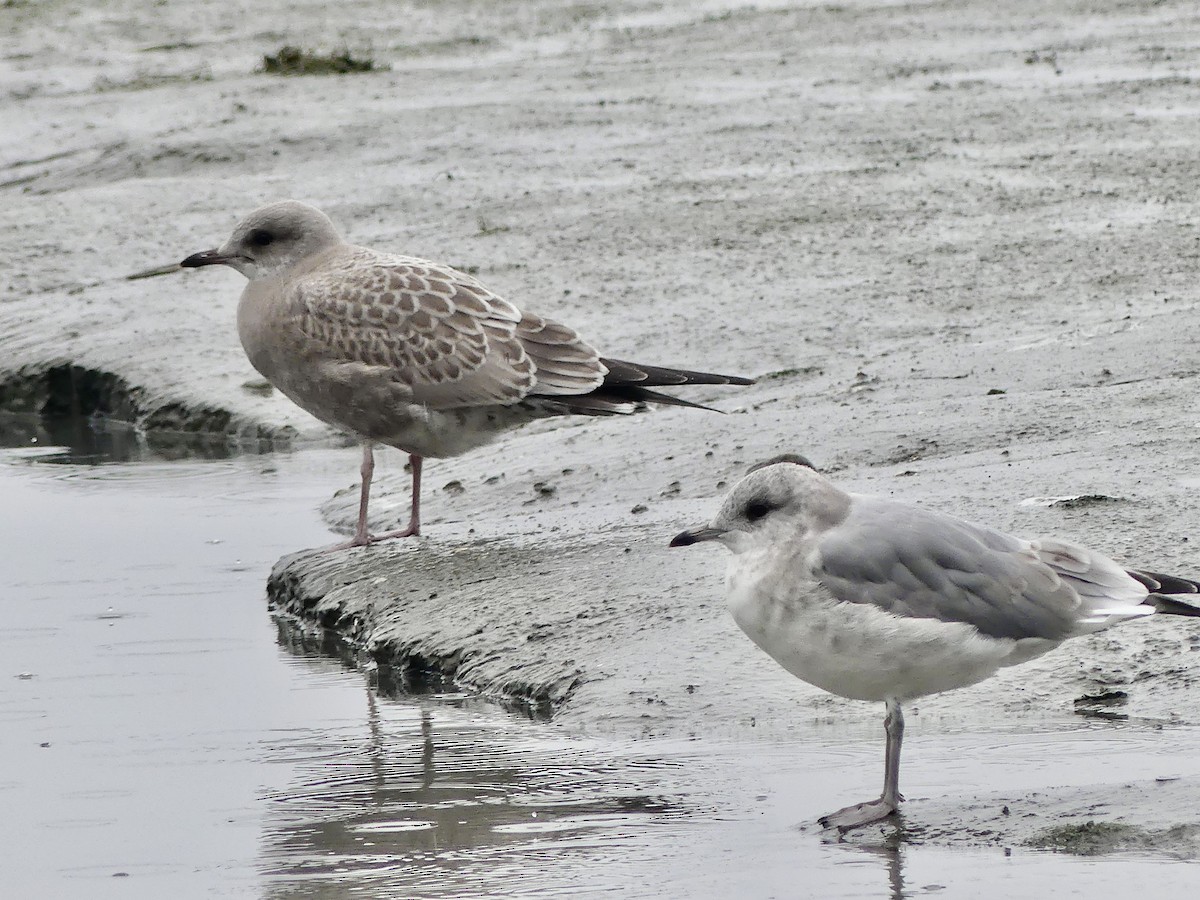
[[438, 331], [915, 562]]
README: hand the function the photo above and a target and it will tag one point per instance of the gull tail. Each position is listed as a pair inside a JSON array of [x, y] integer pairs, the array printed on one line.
[[621, 373], [627, 387], [1170, 594], [632, 382]]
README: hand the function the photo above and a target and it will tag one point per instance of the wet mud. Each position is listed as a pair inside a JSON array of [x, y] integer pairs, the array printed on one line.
[[956, 243]]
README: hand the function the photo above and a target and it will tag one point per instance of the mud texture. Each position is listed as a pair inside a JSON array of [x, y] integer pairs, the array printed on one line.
[[956, 242], [1140, 816]]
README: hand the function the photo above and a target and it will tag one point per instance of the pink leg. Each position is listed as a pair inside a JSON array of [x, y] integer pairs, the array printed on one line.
[[362, 536], [414, 520]]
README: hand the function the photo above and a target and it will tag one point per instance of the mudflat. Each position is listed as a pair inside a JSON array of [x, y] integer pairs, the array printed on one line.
[[956, 244]]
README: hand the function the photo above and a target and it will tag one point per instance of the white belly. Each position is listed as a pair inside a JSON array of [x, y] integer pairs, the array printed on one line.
[[857, 650]]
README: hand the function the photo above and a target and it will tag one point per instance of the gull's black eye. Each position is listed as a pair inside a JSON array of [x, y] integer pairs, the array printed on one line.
[[260, 237], [756, 509]]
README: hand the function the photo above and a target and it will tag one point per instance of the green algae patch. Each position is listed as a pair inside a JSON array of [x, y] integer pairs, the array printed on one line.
[[1093, 838], [298, 61], [1089, 838]]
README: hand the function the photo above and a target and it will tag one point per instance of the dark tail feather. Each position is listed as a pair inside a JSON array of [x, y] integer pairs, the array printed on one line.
[[622, 374], [1157, 583], [593, 404], [614, 401], [1166, 591], [627, 386], [1172, 606]]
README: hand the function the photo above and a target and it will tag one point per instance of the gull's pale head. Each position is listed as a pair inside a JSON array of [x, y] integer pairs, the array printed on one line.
[[776, 501], [271, 240]]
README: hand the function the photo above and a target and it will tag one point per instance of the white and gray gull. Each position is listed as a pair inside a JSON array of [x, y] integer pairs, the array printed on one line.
[[873, 599], [411, 353]]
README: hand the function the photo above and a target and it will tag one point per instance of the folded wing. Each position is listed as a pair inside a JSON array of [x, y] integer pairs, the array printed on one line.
[[453, 343], [920, 563], [441, 333]]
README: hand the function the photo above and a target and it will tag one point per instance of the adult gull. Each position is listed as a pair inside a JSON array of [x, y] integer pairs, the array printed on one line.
[[411, 353], [873, 599]]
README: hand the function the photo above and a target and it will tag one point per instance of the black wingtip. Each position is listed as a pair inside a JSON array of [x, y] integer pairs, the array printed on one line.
[[1172, 606], [621, 373], [1169, 594]]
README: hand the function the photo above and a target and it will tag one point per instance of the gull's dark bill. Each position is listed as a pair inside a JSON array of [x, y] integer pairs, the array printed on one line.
[[687, 538]]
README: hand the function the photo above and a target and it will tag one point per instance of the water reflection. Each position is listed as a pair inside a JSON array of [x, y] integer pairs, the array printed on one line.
[[90, 440], [888, 853], [172, 740], [440, 795]]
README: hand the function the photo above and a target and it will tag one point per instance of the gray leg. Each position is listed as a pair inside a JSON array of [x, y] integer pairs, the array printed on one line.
[[877, 810], [893, 724]]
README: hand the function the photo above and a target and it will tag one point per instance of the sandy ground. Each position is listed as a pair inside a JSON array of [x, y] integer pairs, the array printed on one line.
[[956, 242]]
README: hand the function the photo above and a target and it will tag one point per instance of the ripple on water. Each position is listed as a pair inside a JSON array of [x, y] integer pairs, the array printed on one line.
[[390, 826], [146, 475], [35, 453], [434, 798]]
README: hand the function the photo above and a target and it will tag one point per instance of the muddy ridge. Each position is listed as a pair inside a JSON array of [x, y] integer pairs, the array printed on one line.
[[73, 391]]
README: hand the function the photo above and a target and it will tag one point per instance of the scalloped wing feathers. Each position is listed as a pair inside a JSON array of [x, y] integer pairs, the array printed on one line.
[[439, 331]]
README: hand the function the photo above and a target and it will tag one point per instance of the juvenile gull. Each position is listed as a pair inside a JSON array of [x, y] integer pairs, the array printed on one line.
[[411, 353], [874, 599]]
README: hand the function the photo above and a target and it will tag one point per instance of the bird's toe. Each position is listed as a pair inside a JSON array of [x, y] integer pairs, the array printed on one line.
[[858, 815]]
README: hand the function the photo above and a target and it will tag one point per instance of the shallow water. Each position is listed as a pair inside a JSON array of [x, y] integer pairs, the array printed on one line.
[[161, 736]]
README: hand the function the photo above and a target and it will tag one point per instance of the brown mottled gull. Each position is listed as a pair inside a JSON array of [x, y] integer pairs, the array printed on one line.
[[411, 353], [873, 599]]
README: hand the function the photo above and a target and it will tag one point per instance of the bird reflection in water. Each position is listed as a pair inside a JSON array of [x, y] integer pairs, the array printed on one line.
[[441, 790], [888, 851]]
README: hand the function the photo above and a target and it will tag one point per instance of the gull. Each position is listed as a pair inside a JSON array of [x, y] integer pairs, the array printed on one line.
[[411, 353], [874, 599]]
